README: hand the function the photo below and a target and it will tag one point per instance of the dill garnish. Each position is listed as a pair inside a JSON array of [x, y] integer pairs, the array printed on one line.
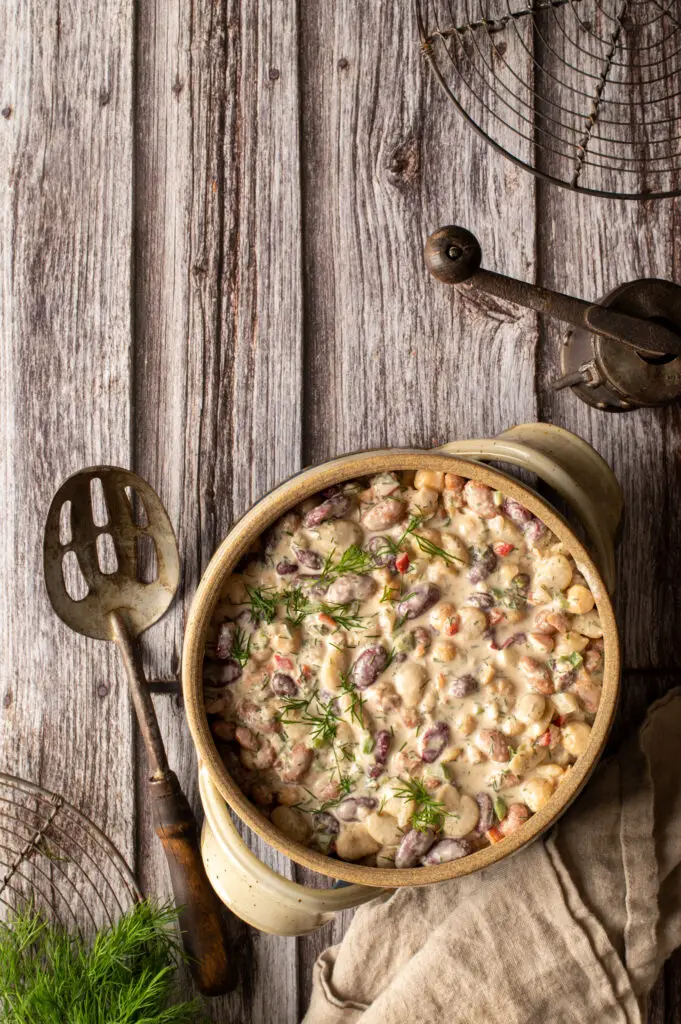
[[241, 646], [353, 560], [429, 812], [323, 721], [263, 601], [356, 704]]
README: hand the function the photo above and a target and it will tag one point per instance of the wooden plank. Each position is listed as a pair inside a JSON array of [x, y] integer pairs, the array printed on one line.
[[391, 356], [218, 338], [65, 349]]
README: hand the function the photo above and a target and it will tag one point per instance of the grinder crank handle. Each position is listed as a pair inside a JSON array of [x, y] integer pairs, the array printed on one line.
[[453, 255], [200, 915]]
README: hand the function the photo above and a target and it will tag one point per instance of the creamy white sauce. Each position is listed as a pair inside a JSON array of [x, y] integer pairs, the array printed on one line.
[[292, 777]]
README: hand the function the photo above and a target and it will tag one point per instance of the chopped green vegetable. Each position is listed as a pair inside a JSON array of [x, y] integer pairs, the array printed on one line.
[[500, 808]]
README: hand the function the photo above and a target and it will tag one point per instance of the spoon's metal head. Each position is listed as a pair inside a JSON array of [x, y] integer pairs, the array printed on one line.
[[109, 546]]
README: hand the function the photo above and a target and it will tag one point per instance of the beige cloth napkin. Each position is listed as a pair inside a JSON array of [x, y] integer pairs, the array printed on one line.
[[572, 930]]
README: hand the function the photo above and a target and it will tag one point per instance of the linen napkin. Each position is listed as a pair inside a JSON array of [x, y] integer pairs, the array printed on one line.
[[572, 930]]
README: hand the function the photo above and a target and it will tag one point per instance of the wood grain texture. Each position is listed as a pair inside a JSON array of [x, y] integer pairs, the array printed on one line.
[[285, 163], [218, 339], [65, 357]]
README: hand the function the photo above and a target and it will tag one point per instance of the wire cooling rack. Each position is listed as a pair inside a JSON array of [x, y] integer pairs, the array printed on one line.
[[582, 93], [55, 859]]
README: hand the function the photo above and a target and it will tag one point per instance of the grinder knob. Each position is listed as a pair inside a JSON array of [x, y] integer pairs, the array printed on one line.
[[453, 254]]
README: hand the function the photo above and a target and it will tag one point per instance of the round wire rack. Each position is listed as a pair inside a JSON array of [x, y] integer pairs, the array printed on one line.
[[57, 861], [583, 93]]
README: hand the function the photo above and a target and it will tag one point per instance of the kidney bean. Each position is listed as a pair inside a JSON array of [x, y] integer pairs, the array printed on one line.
[[446, 850], [381, 746], [368, 667], [380, 549], [323, 822], [480, 600], [225, 641], [334, 507], [223, 730], [414, 845], [351, 587], [383, 514], [494, 744], [355, 808], [434, 741], [484, 563], [516, 815], [487, 816], [516, 512], [535, 532], [421, 599], [310, 559], [550, 622], [221, 673], [479, 498], [463, 686], [283, 685], [286, 567], [517, 638], [537, 675]]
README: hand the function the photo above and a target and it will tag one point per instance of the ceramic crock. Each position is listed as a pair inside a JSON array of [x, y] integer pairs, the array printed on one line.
[[249, 888]]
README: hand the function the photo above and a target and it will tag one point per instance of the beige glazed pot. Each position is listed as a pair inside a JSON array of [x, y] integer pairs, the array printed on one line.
[[253, 891]]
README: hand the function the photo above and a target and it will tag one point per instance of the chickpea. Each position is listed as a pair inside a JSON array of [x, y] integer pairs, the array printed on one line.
[[429, 478], [553, 772], [575, 737], [424, 501], [429, 700], [565, 703], [526, 758], [383, 828], [541, 642], [465, 724], [292, 823], [569, 643], [579, 600], [511, 726], [387, 616], [473, 755], [531, 707], [508, 568], [449, 754], [554, 572], [588, 624], [443, 617], [410, 680], [486, 674], [536, 792], [473, 623], [443, 651]]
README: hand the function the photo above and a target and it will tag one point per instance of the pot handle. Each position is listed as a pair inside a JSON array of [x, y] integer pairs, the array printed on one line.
[[253, 891], [572, 468]]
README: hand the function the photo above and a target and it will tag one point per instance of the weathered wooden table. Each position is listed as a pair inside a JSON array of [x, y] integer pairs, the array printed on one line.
[[212, 216]]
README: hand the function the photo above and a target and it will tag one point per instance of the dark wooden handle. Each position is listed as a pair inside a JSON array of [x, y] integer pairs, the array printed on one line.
[[201, 921]]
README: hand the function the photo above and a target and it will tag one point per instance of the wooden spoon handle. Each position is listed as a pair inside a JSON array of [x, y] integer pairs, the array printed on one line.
[[201, 921]]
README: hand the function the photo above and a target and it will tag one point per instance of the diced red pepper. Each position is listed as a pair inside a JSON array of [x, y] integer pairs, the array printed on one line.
[[560, 720], [545, 738], [327, 620], [452, 625], [494, 834], [496, 616], [283, 663], [402, 562], [502, 548]]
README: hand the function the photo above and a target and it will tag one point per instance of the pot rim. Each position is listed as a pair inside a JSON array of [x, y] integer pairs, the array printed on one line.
[[259, 517]]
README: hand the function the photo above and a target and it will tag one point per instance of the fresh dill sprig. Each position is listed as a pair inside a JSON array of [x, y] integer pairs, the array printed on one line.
[[48, 974], [297, 606], [241, 646], [353, 560], [343, 617], [429, 812], [263, 601], [322, 719], [357, 701]]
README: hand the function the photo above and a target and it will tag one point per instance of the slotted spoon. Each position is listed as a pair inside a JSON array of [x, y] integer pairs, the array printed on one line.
[[119, 606]]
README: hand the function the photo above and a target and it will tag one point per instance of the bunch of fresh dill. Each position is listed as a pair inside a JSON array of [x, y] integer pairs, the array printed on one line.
[[126, 976]]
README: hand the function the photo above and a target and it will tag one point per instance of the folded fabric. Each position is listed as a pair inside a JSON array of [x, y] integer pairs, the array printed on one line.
[[572, 930]]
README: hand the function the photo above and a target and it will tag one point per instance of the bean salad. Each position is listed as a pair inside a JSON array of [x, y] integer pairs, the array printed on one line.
[[404, 670]]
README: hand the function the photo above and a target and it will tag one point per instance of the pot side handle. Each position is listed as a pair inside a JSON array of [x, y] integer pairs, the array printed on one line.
[[252, 890], [572, 468]]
